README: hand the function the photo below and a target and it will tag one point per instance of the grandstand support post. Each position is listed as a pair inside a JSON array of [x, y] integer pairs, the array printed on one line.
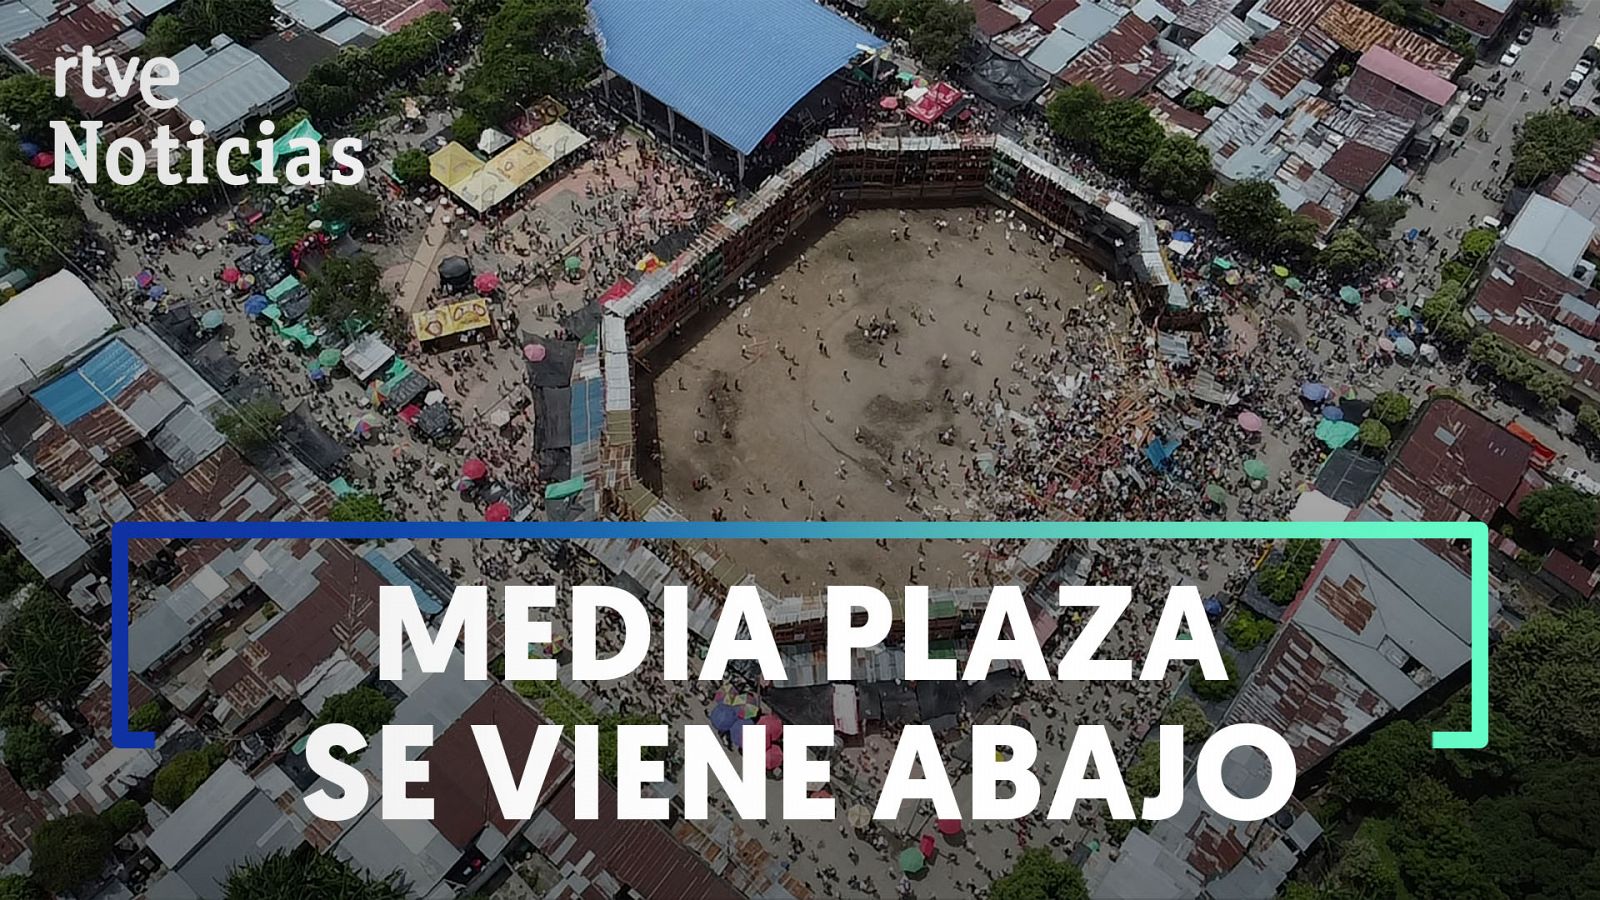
[[672, 127], [741, 168], [638, 105], [705, 144]]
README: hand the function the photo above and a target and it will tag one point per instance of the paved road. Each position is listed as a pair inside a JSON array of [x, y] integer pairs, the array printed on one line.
[[1544, 61]]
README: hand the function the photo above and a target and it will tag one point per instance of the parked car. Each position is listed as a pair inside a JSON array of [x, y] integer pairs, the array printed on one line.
[[1584, 67], [1460, 126], [1525, 35], [1512, 53], [1574, 81], [1478, 98]]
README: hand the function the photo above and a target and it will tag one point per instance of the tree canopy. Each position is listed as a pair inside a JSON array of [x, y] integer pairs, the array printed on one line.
[[1125, 138], [529, 48], [1562, 514], [1392, 408], [302, 873], [412, 168], [1179, 169], [1039, 875], [51, 653], [30, 104], [349, 288], [1550, 142], [1349, 253], [348, 203], [177, 781], [252, 425], [363, 708], [358, 508], [69, 851], [41, 223], [336, 87], [30, 755], [1374, 436], [1251, 213], [198, 21], [936, 30], [1215, 691], [1377, 218]]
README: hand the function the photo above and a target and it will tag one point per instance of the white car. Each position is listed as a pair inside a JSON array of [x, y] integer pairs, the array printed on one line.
[[1583, 68], [1512, 53]]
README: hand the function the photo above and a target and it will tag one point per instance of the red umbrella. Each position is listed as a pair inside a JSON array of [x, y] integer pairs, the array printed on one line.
[[486, 282], [474, 469], [926, 846], [498, 511], [44, 160], [230, 275], [773, 725], [949, 827], [774, 757]]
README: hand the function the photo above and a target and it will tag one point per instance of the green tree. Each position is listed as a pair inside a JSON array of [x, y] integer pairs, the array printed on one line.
[[1038, 875], [1126, 136], [1186, 712], [1589, 419], [1215, 691], [358, 508], [1376, 773], [30, 755], [363, 708], [51, 653], [1562, 514], [69, 851], [251, 425], [1544, 839], [937, 30], [166, 36], [19, 887], [1550, 142], [1374, 436], [1477, 244], [1072, 112], [530, 48], [301, 873], [286, 225], [1436, 847], [466, 128], [30, 104], [16, 572], [177, 781], [1247, 631], [1179, 169], [1456, 271], [1296, 238], [41, 223], [348, 203], [1392, 408], [1249, 212], [148, 198], [412, 168], [1378, 218], [151, 716], [1547, 685], [350, 288], [123, 817], [1348, 254]]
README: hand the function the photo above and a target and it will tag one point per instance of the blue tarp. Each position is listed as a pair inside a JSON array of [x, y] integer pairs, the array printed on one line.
[[393, 576], [588, 410], [85, 389], [1160, 453], [733, 67]]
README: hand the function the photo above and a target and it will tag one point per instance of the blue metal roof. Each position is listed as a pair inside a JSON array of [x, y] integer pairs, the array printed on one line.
[[733, 67], [98, 380]]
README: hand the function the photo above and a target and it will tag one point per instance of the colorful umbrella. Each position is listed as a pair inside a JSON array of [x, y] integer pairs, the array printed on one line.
[[949, 827], [723, 716], [1216, 494], [254, 305], [329, 358], [774, 757], [1249, 421], [1256, 470], [1223, 264], [212, 319], [498, 511], [1336, 434], [573, 264], [774, 727], [1280, 271], [230, 275], [1405, 346], [1333, 413], [858, 816], [1402, 311], [912, 861], [889, 103], [534, 352], [1233, 277], [1294, 284], [474, 469], [926, 845], [1315, 392], [1385, 345], [486, 282], [1350, 295]]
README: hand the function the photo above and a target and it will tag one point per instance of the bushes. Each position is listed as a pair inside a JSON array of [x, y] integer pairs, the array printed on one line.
[[1392, 408], [1247, 631], [1441, 312], [124, 817], [412, 168], [51, 653], [1516, 367], [363, 708], [150, 716], [1124, 138], [69, 851], [1215, 691], [252, 425], [1281, 581], [335, 88], [182, 776], [1374, 436], [30, 755], [1185, 712], [1560, 513], [358, 508]]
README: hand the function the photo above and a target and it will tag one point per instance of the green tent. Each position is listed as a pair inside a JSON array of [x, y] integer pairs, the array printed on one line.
[[562, 489], [300, 334], [341, 488], [282, 152], [1216, 494], [912, 861], [1350, 295], [1256, 470], [1336, 434], [277, 291], [329, 358]]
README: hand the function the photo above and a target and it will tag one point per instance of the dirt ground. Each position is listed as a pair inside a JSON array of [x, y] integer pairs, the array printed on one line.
[[789, 410]]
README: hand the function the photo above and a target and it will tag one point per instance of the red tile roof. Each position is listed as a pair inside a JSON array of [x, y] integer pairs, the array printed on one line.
[[1052, 12], [992, 18]]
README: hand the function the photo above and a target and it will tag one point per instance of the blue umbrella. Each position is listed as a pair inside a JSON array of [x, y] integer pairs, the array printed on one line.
[[157, 292], [263, 240], [1333, 413], [1315, 392], [737, 736], [1213, 607], [723, 716], [1183, 235], [254, 306]]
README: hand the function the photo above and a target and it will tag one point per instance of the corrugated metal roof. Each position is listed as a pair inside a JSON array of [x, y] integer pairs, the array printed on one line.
[[1386, 65], [40, 531], [43, 326], [224, 84], [732, 67], [1554, 234]]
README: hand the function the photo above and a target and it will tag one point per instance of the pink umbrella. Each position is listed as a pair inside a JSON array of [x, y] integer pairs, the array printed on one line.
[[230, 275], [1249, 421], [1386, 345], [498, 511], [889, 103], [486, 282], [773, 725], [534, 352], [949, 827], [774, 757], [474, 469], [926, 846]]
